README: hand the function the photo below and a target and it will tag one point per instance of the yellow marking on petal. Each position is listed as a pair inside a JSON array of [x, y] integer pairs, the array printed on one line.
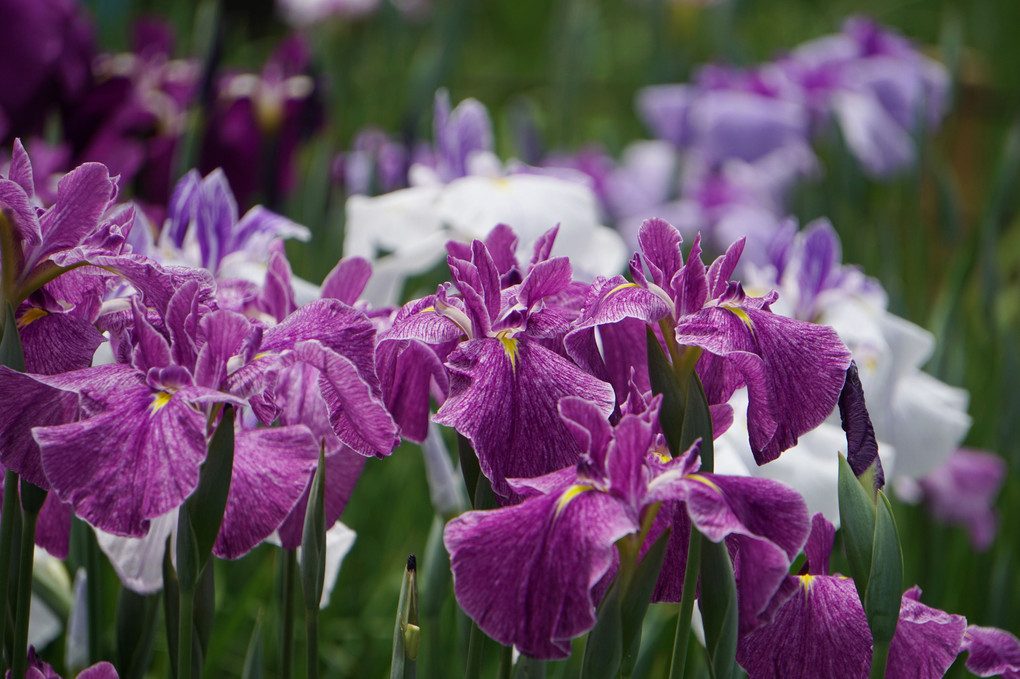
[[569, 494], [160, 399], [428, 308], [708, 482], [33, 314], [741, 314], [805, 580], [261, 354], [502, 183], [621, 286], [509, 346]]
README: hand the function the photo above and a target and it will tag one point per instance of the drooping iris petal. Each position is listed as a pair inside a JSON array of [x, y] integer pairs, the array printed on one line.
[[29, 403], [358, 417], [503, 398], [407, 369], [53, 530], [820, 632], [130, 464], [793, 370], [524, 573], [927, 640], [270, 474], [992, 651]]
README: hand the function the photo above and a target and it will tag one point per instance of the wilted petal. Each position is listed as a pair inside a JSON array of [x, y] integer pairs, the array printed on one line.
[[524, 573], [270, 474], [926, 642], [503, 398]]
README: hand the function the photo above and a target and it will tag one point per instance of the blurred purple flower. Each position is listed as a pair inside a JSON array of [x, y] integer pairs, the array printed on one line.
[[962, 491], [45, 51], [258, 121]]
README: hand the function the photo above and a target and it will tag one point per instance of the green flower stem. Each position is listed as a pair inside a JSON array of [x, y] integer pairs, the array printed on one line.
[[287, 606], [312, 633], [93, 595], [9, 520], [185, 622], [683, 622], [476, 643], [19, 660], [506, 662], [879, 658]]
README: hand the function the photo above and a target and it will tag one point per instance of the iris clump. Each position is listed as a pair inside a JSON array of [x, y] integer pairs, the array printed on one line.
[[707, 459]]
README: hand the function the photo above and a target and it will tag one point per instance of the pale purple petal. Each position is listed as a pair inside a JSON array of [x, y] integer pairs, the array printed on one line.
[[347, 280], [524, 573], [20, 171], [963, 491]]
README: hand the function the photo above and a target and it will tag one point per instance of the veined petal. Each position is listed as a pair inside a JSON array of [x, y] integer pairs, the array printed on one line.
[[794, 370], [524, 573], [270, 474], [56, 343], [503, 398], [128, 465], [820, 632], [992, 651], [343, 469], [29, 403], [927, 640]]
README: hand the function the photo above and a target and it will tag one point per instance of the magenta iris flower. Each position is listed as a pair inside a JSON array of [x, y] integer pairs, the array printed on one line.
[[793, 370], [821, 630], [526, 573], [506, 367]]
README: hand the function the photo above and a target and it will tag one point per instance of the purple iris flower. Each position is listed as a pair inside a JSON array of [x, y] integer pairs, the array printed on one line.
[[793, 370], [526, 573], [507, 371], [259, 120], [375, 164], [40, 669], [459, 133], [821, 630], [46, 47]]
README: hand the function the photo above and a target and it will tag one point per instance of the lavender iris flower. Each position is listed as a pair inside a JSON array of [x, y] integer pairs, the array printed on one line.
[[506, 368], [793, 371], [526, 573]]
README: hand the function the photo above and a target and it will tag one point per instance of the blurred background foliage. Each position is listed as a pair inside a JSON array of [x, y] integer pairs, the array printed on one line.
[[943, 239]]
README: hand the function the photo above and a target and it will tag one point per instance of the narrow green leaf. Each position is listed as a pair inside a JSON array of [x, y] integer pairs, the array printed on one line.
[[603, 652], [207, 503], [313, 539], [697, 423], [136, 632], [468, 465], [636, 599], [171, 607], [187, 551], [436, 582], [254, 657], [885, 583], [671, 417], [857, 522], [719, 608]]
